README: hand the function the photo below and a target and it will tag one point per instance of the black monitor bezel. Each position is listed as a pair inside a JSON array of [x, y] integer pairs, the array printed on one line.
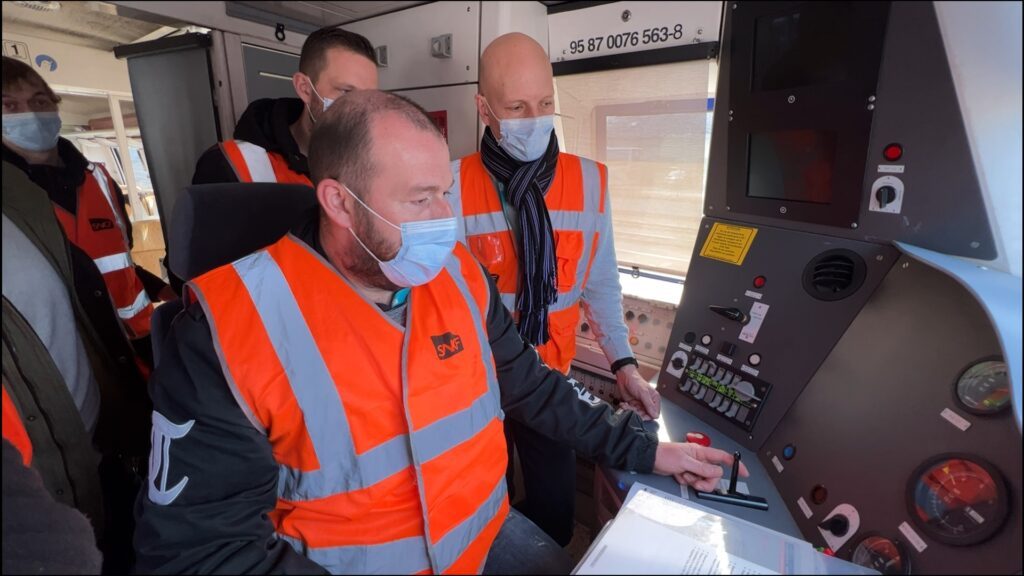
[[844, 107]]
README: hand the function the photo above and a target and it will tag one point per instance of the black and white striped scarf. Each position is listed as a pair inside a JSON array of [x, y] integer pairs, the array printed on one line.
[[526, 183]]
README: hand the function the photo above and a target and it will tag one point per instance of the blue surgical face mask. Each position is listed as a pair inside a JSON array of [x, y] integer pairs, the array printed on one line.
[[525, 139], [34, 131], [327, 102], [426, 246]]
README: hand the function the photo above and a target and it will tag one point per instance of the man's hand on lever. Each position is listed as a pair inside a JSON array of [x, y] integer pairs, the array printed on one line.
[[693, 464], [637, 394]]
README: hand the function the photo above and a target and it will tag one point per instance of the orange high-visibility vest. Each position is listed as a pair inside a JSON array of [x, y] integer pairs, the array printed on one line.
[[576, 203], [97, 228], [14, 429], [388, 439], [253, 163]]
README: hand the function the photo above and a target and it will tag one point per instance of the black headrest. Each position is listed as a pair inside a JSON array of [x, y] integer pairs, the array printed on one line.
[[215, 224]]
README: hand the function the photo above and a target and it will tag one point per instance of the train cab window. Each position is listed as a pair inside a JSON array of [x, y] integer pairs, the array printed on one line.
[[651, 126]]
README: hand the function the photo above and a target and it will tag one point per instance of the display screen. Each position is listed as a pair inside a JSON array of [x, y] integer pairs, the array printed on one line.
[[801, 48], [792, 165]]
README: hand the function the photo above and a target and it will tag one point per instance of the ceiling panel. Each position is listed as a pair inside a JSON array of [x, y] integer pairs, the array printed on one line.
[[89, 24], [321, 14]]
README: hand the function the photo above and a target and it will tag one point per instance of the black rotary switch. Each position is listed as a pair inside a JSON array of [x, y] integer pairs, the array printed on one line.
[[677, 363], [885, 195], [734, 314], [838, 525]]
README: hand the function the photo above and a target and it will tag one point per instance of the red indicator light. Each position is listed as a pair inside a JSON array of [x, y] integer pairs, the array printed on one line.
[[893, 152], [760, 281]]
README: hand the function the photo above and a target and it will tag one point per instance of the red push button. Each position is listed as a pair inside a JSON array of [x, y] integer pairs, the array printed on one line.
[[698, 438], [760, 281], [893, 152]]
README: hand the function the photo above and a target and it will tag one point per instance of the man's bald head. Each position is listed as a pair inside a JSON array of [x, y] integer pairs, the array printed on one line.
[[515, 80], [341, 146], [512, 56]]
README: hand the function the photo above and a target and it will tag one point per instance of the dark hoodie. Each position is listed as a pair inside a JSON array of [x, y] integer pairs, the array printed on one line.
[[265, 123]]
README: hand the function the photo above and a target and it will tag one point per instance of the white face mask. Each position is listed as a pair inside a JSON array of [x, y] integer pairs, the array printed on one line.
[[426, 246], [327, 102], [525, 139], [33, 131]]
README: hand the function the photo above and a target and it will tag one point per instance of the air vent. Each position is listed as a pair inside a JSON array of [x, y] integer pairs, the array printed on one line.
[[834, 275]]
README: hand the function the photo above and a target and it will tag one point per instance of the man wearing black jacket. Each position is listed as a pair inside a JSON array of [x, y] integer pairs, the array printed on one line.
[[272, 136], [229, 488]]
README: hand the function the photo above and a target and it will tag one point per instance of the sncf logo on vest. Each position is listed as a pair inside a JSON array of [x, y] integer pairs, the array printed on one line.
[[101, 224], [447, 345]]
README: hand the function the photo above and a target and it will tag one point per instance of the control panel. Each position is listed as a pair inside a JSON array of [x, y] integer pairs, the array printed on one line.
[[901, 453], [650, 324], [734, 395], [770, 305]]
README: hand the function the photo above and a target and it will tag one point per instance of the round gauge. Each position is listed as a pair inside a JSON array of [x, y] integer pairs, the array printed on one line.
[[881, 554], [984, 387], [958, 499]]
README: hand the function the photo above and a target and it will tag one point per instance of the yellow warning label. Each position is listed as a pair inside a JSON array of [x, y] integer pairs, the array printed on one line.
[[728, 243]]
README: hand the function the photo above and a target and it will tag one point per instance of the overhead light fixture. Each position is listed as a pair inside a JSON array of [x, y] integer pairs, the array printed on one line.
[[39, 6]]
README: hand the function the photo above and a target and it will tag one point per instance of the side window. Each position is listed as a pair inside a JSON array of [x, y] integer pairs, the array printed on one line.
[[652, 126]]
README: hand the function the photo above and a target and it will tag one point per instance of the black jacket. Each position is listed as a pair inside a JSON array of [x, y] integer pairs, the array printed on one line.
[[41, 535], [265, 123], [219, 521]]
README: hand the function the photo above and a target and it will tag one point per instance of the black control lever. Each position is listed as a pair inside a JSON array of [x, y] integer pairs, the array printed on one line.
[[732, 496], [734, 314]]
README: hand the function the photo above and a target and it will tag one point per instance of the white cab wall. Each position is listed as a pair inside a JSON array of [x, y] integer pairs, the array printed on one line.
[[447, 84], [697, 22], [987, 76], [497, 18], [76, 66]]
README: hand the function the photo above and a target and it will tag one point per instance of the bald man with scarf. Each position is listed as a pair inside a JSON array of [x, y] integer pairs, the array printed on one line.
[[540, 221]]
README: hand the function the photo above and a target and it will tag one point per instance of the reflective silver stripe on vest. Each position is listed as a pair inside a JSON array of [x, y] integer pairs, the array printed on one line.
[[130, 311], [418, 462], [405, 556], [113, 263], [257, 161], [101, 180], [341, 470], [454, 543], [591, 185], [486, 223]]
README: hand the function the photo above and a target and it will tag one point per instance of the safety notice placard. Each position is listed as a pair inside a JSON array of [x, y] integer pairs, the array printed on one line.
[[728, 243]]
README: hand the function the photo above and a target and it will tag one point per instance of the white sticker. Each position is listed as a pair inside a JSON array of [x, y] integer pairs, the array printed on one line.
[[956, 419], [757, 314], [724, 359], [754, 295], [777, 463], [890, 168], [752, 371], [912, 537], [686, 347], [741, 487], [702, 350], [804, 507]]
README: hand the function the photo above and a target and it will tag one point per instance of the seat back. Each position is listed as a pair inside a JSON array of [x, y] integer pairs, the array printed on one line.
[[216, 224]]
